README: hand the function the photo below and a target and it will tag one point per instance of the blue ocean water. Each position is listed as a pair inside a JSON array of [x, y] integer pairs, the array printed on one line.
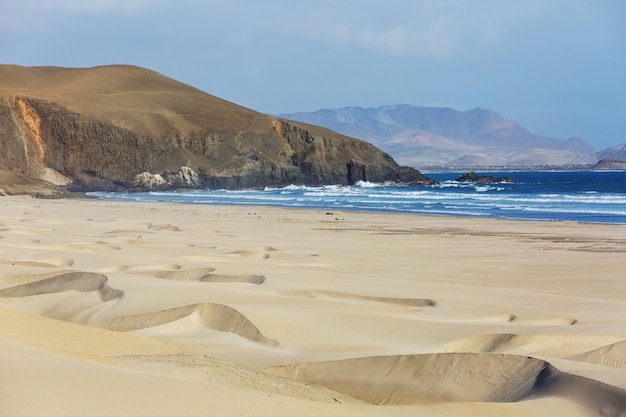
[[582, 196]]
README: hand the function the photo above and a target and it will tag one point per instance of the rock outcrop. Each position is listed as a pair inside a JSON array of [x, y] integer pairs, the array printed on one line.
[[128, 128], [482, 179], [148, 181], [610, 165]]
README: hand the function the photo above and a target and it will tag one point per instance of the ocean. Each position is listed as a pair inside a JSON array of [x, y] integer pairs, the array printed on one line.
[[579, 196]]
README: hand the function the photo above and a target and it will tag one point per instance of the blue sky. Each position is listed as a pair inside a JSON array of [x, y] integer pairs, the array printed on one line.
[[556, 66]]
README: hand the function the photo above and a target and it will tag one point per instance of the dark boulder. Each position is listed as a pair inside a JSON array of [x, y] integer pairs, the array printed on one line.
[[483, 179]]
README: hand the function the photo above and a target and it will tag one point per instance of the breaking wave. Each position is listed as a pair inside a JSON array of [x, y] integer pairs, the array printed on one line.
[[549, 196]]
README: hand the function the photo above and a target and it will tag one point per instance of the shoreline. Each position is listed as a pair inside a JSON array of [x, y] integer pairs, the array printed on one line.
[[239, 309], [252, 207], [536, 197]]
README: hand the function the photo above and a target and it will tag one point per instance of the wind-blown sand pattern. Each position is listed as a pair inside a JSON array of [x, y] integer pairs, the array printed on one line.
[[414, 302], [79, 281], [613, 355], [182, 275], [417, 379], [166, 310], [205, 275], [212, 316]]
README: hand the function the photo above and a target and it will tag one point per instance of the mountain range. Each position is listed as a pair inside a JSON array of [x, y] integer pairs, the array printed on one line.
[[122, 127], [429, 137]]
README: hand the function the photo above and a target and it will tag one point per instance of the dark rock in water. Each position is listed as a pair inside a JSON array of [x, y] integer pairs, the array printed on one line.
[[482, 179], [127, 128], [610, 164]]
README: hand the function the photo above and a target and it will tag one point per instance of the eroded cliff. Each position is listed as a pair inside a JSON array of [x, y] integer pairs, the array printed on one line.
[[101, 128]]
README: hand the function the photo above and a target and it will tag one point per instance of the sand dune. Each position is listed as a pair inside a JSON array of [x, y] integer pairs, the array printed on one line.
[[44, 260], [204, 275], [212, 316], [70, 338], [166, 310], [597, 398], [92, 247], [79, 297], [552, 344], [412, 302], [78, 281], [547, 321], [250, 279], [613, 355], [37, 264], [455, 377], [415, 379], [140, 267], [195, 274], [485, 343]]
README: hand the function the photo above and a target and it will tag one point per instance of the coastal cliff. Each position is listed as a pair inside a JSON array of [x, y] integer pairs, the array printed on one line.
[[129, 128]]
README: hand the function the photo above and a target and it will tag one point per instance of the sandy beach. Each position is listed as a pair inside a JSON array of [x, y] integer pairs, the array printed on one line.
[[139, 309]]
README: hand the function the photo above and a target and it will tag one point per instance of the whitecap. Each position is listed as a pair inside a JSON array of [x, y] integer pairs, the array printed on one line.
[[367, 184]]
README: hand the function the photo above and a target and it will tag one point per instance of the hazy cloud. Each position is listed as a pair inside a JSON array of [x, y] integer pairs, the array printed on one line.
[[557, 66], [89, 7]]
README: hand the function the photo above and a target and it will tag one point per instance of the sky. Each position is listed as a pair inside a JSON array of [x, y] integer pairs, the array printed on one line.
[[557, 67]]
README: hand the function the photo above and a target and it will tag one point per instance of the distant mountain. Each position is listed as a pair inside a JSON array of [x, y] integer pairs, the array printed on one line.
[[125, 127], [616, 153], [433, 136], [611, 159], [610, 164]]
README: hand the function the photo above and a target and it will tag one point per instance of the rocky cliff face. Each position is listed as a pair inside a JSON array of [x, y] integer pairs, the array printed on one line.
[[118, 127]]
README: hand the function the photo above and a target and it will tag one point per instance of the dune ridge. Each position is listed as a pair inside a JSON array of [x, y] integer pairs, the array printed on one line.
[[78, 281], [195, 274], [205, 275], [38, 264], [250, 279], [596, 397], [413, 302], [613, 355], [574, 345], [455, 377], [212, 316], [415, 379], [464, 318]]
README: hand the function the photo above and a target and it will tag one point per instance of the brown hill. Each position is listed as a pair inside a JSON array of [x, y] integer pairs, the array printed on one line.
[[616, 153], [610, 165], [100, 128]]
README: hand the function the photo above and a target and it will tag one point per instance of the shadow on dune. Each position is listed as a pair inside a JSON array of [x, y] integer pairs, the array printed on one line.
[[250, 279], [212, 316], [613, 355], [599, 398], [180, 275], [204, 275], [77, 281], [331, 295], [454, 377], [551, 344]]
